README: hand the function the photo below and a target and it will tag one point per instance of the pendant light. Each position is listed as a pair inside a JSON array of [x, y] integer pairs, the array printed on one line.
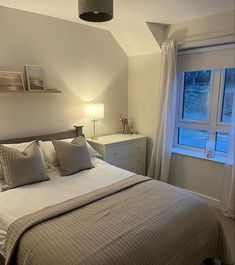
[[95, 10]]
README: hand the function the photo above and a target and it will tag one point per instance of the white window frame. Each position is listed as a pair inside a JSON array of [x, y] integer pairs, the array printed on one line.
[[220, 105], [213, 125]]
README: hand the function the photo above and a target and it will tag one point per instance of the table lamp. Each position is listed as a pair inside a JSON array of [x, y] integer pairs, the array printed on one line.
[[94, 111]]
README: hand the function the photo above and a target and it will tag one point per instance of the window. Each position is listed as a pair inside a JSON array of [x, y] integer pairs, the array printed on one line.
[[205, 103], [222, 142], [228, 92], [193, 138], [196, 95]]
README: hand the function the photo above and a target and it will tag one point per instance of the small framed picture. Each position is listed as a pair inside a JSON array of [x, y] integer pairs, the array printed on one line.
[[35, 77], [11, 81]]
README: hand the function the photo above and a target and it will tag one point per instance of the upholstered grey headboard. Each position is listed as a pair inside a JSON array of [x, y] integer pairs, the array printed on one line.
[[54, 136]]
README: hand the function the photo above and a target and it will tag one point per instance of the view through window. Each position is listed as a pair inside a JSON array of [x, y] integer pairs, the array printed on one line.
[[205, 108]]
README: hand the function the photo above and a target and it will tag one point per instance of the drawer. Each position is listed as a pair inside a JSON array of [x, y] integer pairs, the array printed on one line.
[[139, 170], [130, 163], [124, 150]]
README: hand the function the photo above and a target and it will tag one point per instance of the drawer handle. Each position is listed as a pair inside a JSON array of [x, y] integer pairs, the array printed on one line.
[[138, 161], [115, 154]]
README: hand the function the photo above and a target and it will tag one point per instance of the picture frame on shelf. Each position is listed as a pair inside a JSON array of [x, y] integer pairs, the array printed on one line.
[[11, 81], [35, 77]]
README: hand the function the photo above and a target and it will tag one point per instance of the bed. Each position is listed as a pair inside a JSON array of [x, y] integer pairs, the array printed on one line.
[[105, 215]]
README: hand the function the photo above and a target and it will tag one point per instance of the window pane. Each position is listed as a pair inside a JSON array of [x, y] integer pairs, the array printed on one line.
[[229, 88], [191, 137], [196, 95], [222, 142]]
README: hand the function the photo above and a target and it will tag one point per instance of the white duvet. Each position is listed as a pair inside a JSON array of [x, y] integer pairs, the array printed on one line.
[[24, 200]]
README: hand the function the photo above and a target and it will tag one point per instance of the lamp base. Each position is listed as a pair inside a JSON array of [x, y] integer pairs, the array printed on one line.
[[94, 138]]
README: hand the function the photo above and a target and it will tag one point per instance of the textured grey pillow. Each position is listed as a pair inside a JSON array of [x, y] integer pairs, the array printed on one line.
[[73, 157], [22, 168]]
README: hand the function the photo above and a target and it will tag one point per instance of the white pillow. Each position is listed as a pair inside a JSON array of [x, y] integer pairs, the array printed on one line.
[[92, 151], [49, 152], [21, 147]]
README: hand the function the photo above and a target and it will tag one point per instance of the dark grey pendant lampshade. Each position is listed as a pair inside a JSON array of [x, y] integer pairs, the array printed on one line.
[[95, 10]]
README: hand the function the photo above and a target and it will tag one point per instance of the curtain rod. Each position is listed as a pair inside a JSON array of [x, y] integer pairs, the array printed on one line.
[[182, 51], [209, 38], [215, 46]]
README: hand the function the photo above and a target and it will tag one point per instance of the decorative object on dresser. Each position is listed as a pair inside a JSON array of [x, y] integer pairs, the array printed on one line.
[[125, 126], [35, 77], [11, 81], [123, 150], [94, 111]]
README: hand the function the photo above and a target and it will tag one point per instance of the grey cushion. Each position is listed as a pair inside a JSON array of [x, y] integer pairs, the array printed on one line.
[[73, 157], [22, 168]]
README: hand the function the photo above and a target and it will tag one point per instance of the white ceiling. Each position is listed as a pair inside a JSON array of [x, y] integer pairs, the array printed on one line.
[[128, 26]]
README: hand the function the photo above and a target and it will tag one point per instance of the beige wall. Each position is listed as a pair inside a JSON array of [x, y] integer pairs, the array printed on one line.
[[86, 63], [201, 176], [203, 27], [144, 73]]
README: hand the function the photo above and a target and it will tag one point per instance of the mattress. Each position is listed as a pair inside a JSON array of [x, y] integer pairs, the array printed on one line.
[[25, 200]]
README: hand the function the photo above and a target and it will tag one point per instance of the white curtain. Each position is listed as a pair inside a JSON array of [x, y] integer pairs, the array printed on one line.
[[161, 154], [228, 196]]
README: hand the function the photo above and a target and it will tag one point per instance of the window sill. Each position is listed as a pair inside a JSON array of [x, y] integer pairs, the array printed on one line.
[[185, 152]]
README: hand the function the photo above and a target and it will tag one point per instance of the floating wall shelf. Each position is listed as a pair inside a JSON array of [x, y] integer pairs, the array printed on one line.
[[31, 91]]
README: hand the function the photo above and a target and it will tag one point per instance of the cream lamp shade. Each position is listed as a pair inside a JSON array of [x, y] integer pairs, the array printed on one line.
[[94, 111]]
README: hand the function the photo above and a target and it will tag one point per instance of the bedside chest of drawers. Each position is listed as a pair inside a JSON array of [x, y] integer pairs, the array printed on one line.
[[127, 151]]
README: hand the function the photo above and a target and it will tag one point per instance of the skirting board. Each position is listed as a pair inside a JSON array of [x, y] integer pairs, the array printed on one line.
[[209, 200]]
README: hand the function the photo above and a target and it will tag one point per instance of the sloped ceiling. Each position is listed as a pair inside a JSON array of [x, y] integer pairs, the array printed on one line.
[[129, 26]]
